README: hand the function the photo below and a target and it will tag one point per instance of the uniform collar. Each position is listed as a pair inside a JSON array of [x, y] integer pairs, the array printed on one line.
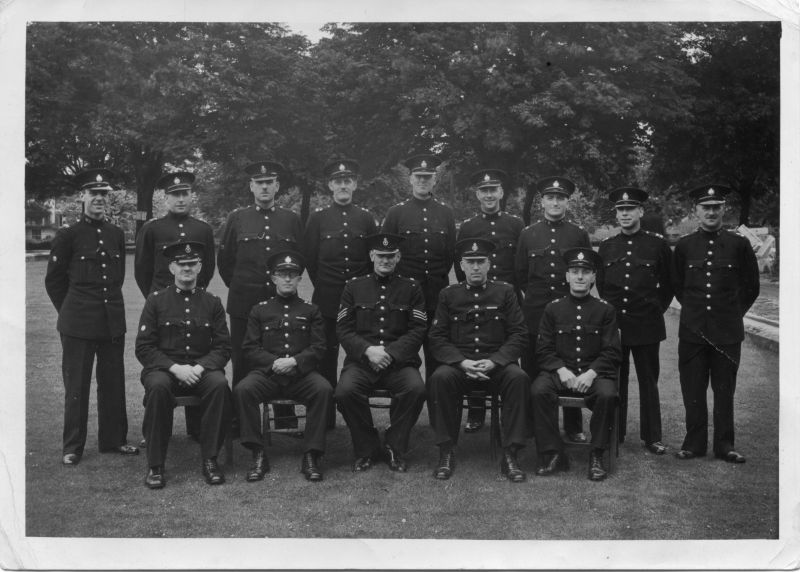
[[476, 288], [262, 209], [186, 292], [709, 233], [491, 216], [346, 207], [575, 300], [383, 279], [423, 202], [93, 222], [287, 299], [177, 216], [558, 222]]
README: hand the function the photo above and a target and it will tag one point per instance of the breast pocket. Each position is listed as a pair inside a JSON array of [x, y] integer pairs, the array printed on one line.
[[365, 316], [170, 331], [85, 267], [399, 315], [271, 333], [493, 326], [696, 273], [646, 271], [201, 334]]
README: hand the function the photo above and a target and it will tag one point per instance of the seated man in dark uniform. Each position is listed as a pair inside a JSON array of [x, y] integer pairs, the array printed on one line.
[[478, 335], [284, 341], [578, 352], [381, 324], [183, 344]]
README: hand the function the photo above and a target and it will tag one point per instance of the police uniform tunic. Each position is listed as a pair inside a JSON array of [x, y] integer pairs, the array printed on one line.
[[282, 327], [579, 334], [479, 322], [715, 278], [387, 311], [84, 279], [503, 230], [636, 281], [151, 267], [184, 327], [251, 235], [335, 252], [429, 230]]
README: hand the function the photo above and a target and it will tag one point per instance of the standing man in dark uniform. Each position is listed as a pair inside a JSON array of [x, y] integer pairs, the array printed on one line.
[[478, 335], [183, 346], [715, 277], [251, 235], [503, 230], [429, 229], [541, 272], [335, 252], [151, 267], [636, 280], [84, 280], [578, 352], [381, 325], [285, 340]]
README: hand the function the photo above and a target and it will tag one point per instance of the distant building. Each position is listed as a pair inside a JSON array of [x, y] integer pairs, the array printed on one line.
[[42, 220]]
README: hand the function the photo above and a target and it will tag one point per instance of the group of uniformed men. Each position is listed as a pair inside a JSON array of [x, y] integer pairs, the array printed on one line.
[[382, 294]]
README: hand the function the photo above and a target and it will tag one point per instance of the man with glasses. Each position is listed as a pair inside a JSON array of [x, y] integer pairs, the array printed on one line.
[[183, 345], [381, 325], [284, 342], [84, 279]]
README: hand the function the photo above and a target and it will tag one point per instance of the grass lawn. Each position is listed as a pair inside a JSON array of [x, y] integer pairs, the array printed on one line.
[[649, 497]]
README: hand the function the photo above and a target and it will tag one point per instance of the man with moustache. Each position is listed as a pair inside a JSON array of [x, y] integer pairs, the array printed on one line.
[[578, 352], [284, 342], [429, 230], [381, 325], [636, 281], [478, 335], [541, 272], [183, 345], [503, 230], [715, 278], [335, 252], [84, 279], [250, 236]]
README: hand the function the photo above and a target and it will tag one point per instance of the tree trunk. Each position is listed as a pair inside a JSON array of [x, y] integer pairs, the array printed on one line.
[[147, 164]]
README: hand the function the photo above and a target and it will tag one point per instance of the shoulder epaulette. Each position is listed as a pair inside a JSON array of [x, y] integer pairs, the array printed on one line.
[[652, 233], [319, 209], [262, 302]]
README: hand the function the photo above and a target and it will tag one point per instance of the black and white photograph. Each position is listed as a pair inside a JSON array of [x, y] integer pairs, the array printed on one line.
[[408, 286]]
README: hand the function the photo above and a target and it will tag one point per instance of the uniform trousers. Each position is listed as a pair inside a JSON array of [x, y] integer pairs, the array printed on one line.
[[697, 363], [77, 361], [160, 389], [573, 417], [239, 367], [330, 363], [601, 398], [645, 359], [311, 389], [447, 386], [408, 396]]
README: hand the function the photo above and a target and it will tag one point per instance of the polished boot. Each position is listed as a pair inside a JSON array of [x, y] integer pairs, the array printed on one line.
[[211, 471], [155, 478], [395, 462], [447, 464], [309, 466], [123, 450], [509, 466], [597, 471], [259, 467], [71, 459], [550, 463]]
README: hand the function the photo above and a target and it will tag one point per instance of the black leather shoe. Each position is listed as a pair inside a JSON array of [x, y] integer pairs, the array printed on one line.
[[143, 444], [732, 457], [309, 466], [362, 464], [259, 466], [123, 450], [550, 463], [473, 425], [447, 464], [155, 478], [577, 437], [395, 462], [656, 447], [685, 454], [597, 471], [71, 459], [509, 467], [212, 472]]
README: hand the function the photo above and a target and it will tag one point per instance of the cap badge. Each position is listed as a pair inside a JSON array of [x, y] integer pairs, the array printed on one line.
[[710, 192], [580, 256], [342, 167], [385, 241], [288, 260], [99, 178], [263, 169], [177, 180], [555, 184], [424, 164], [188, 249], [486, 177], [474, 247], [624, 196]]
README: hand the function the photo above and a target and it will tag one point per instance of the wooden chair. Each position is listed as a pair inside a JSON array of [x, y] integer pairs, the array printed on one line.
[[268, 414], [613, 451], [194, 401]]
